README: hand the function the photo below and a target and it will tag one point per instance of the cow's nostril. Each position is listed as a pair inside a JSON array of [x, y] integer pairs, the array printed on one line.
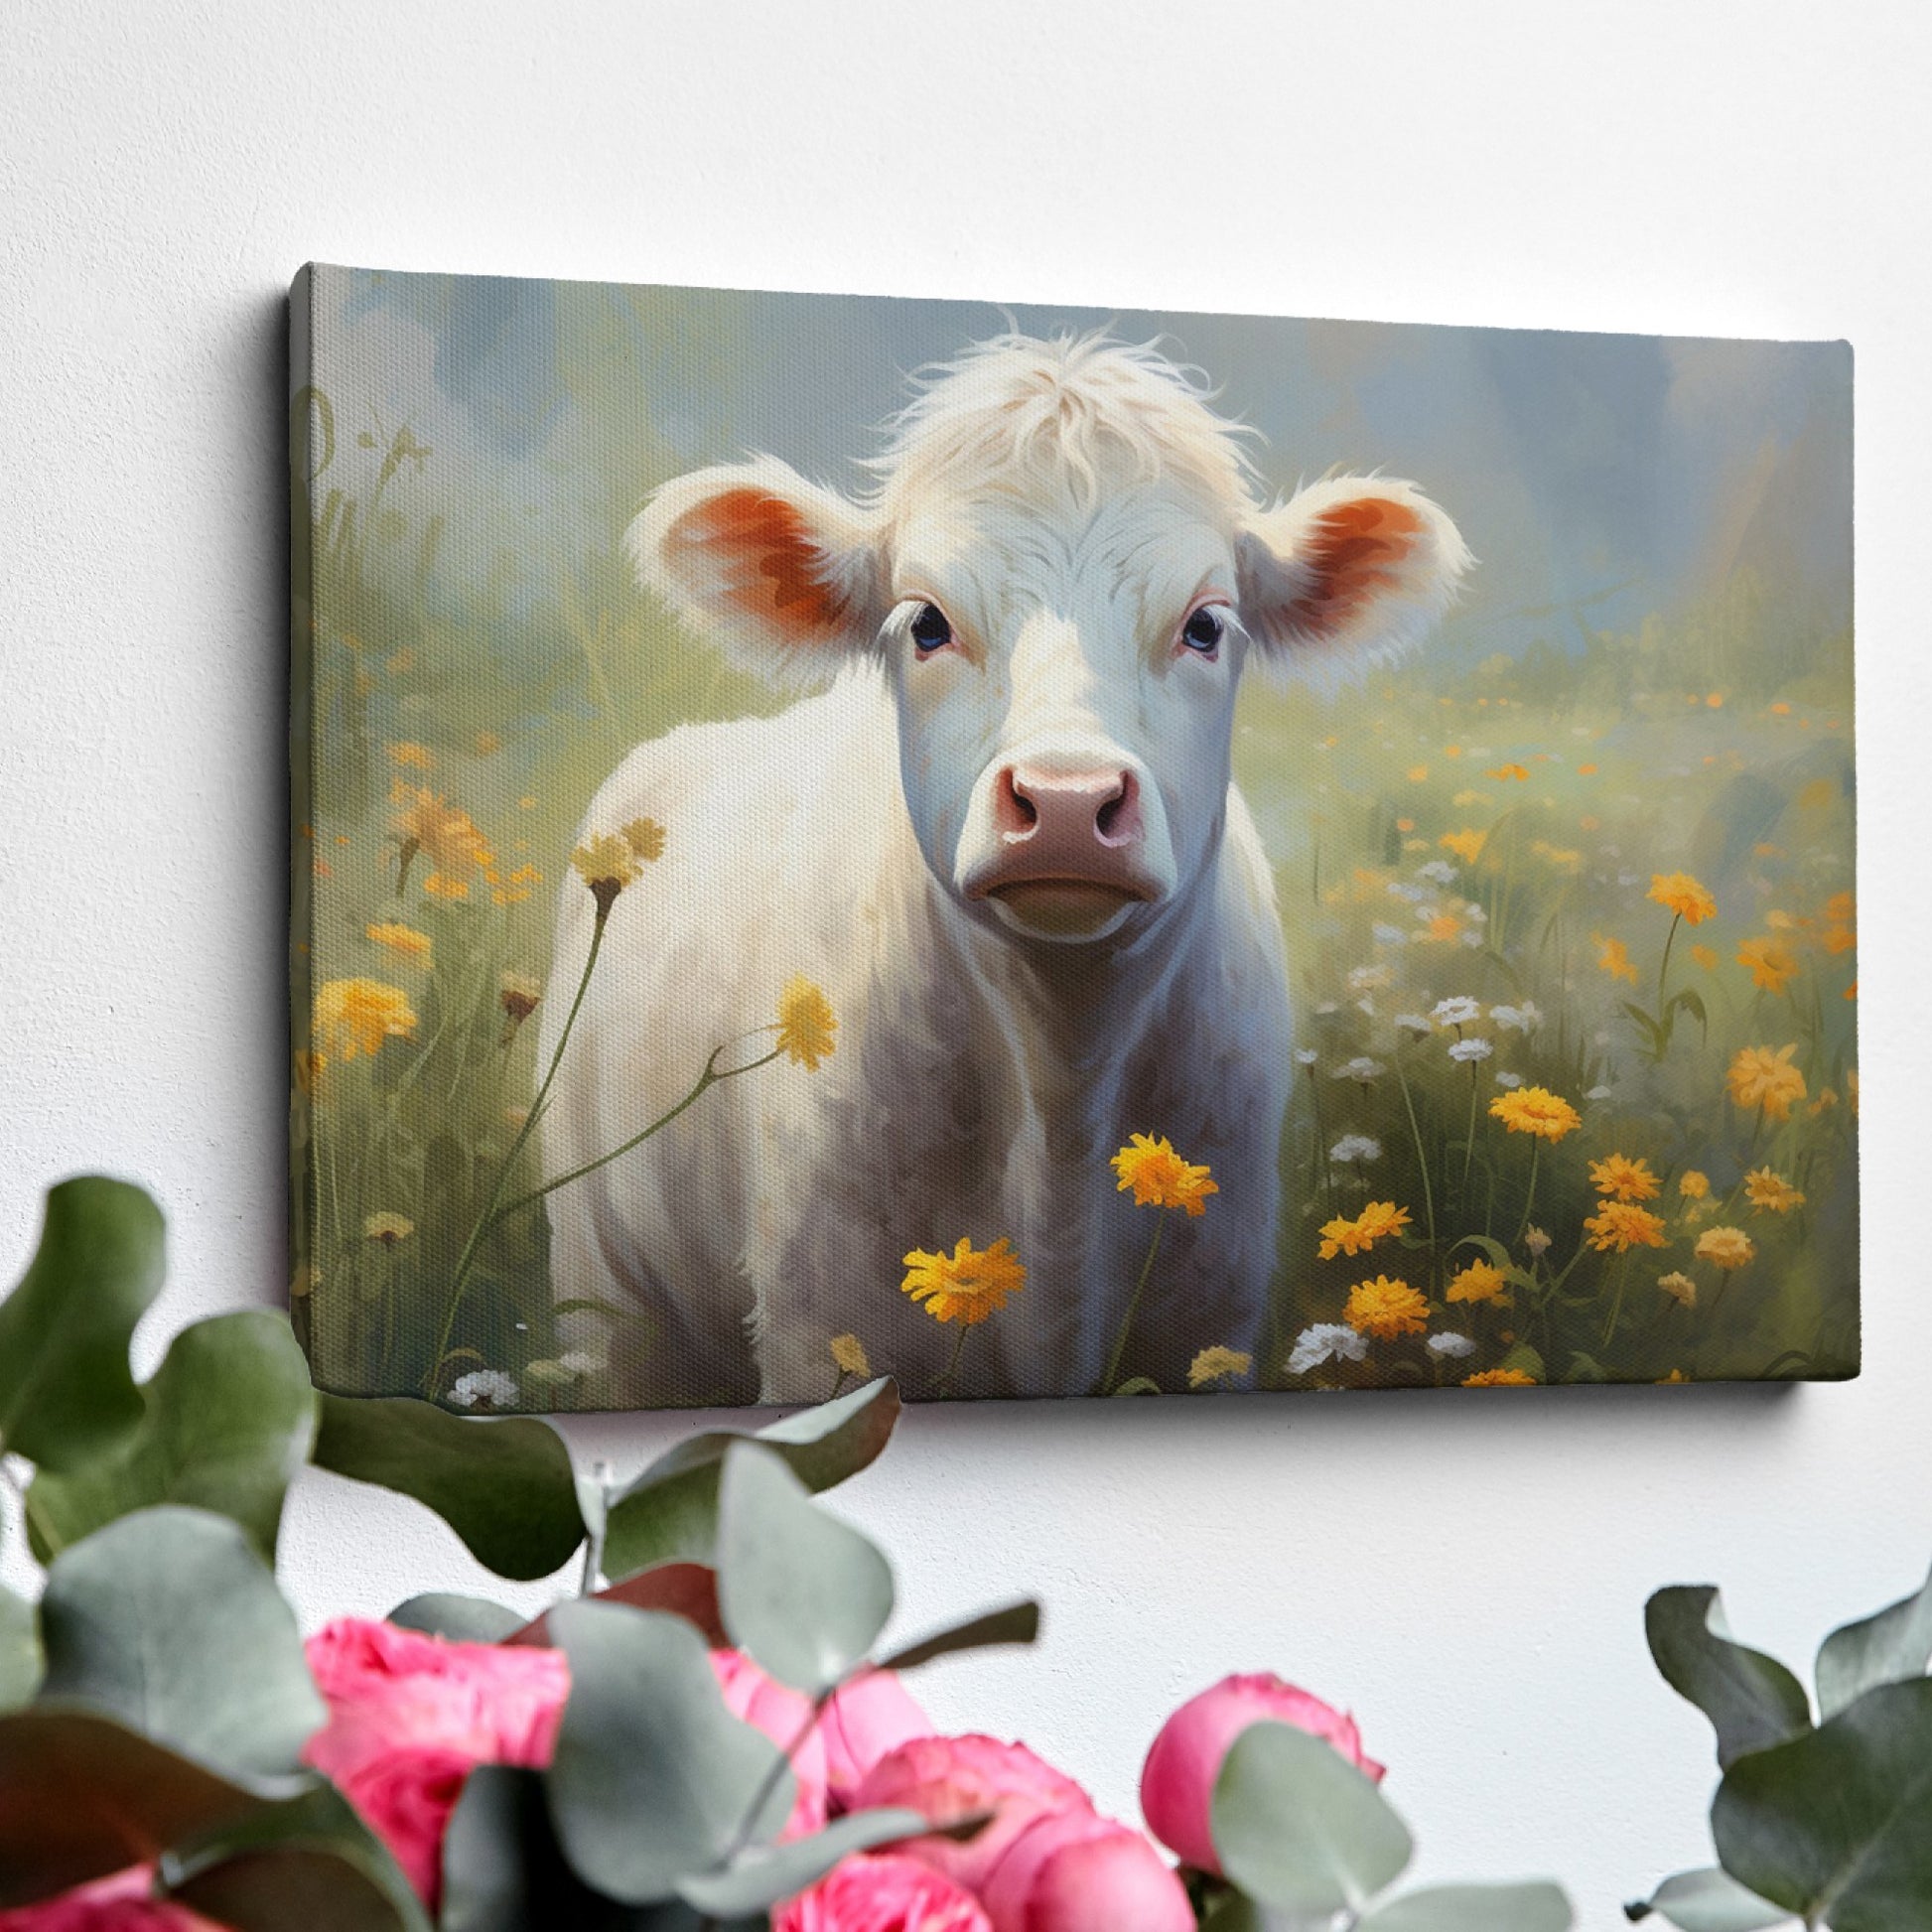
[[1118, 818], [1013, 810]]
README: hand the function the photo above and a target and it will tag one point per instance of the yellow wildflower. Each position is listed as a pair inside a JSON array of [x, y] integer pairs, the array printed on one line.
[[1624, 1178], [1774, 965], [806, 1023], [416, 758], [487, 743], [967, 1286], [1693, 1185], [441, 885], [387, 1228], [1680, 1288], [646, 837], [1586, 770], [1624, 1225], [518, 995], [1770, 1192], [1444, 928], [1219, 1365], [429, 824], [307, 1073], [1501, 1378], [1676, 1375], [1538, 1111], [403, 941], [1509, 772], [1705, 956], [1386, 1309], [606, 865], [849, 1352], [1466, 845], [1759, 1078], [1345, 1237], [1160, 1178], [1565, 858], [355, 1015], [1725, 1247], [1418, 774], [1678, 892], [1614, 956], [1481, 1281]]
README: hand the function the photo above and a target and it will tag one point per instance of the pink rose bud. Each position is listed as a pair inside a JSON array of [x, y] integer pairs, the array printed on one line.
[[882, 1892], [409, 1714], [862, 1721], [123, 1903], [1178, 1781], [1075, 1872], [782, 1714]]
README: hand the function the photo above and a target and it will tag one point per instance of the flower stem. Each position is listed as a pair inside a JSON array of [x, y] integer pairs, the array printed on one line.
[[1617, 1301], [1529, 1196], [1664, 970], [1422, 1156], [1469, 1145], [1133, 1307], [467, 1260], [945, 1383]]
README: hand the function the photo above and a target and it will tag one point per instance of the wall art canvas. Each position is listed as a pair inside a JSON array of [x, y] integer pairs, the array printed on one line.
[[1062, 852]]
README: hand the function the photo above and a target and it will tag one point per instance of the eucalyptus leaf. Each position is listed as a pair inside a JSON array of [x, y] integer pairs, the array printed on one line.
[[504, 1486], [669, 1513], [81, 1796], [463, 1620], [168, 1622], [66, 1394], [1015, 1624], [686, 1590], [802, 1593], [653, 1779], [1234, 1913], [1531, 1905], [1751, 1700], [1894, 1645], [761, 1875], [1708, 1901], [1835, 1826], [20, 1649], [1298, 1829], [308, 1861], [226, 1426]]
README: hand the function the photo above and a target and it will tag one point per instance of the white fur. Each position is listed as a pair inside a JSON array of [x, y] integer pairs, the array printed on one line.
[[1066, 505]]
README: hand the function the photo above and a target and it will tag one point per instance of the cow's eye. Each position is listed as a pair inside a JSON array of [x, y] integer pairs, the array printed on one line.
[[1204, 630], [930, 629]]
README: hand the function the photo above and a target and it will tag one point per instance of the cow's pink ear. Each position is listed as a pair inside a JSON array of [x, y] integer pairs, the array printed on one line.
[[1348, 572], [784, 576]]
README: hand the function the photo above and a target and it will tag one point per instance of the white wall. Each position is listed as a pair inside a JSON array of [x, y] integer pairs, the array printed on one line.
[[1467, 1575]]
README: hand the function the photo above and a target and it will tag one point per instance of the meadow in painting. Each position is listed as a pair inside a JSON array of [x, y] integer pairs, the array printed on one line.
[[1054, 851]]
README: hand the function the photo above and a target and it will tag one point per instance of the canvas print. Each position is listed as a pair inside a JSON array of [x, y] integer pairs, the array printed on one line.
[[1056, 852]]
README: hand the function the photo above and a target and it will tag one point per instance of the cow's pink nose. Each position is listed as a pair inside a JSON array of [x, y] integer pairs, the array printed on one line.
[[1067, 817]]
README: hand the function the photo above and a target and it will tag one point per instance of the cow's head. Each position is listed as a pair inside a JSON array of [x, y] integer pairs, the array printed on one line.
[[1064, 572]]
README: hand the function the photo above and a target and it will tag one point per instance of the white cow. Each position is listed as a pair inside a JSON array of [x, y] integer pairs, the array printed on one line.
[[1006, 842]]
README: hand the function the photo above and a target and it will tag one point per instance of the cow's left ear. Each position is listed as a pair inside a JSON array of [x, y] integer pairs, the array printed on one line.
[[1347, 573], [784, 576]]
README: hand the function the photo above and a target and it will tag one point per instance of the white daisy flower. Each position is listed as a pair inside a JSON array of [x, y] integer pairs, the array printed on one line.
[[1356, 1147], [484, 1387], [1468, 1050], [579, 1361], [1597, 1093], [1439, 870], [1451, 1343], [1325, 1341], [1457, 1011], [1328, 1005], [1389, 935], [1370, 978], [1518, 1020], [1414, 895], [1361, 1067], [1414, 1023], [1509, 1080], [1305, 1056]]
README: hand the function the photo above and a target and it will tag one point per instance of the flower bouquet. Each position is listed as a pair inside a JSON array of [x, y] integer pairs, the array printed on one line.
[[710, 1733]]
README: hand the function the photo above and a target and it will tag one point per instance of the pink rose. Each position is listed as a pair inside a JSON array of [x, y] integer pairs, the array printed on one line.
[[861, 1723], [1069, 1872], [1178, 1781], [781, 1714], [123, 1903], [882, 1892], [948, 1778], [409, 1714]]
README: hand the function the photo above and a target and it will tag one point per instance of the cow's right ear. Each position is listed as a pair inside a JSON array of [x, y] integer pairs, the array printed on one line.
[[786, 577]]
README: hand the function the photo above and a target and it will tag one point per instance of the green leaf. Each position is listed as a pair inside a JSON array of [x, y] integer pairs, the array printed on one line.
[[1894, 1646], [463, 1620], [65, 1392], [1708, 1901], [1835, 1826], [652, 1778], [81, 1796], [1751, 1700], [761, 1875], [1016, 1623], [168, 1622], [1531, 1905], [802, 1593], [671, 1512], [1139, 1385], [686, 1590], [1299, 1829], [504, 1486], [309, 1863], [20, 1649], [1232, 1912], [226, 1423]]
